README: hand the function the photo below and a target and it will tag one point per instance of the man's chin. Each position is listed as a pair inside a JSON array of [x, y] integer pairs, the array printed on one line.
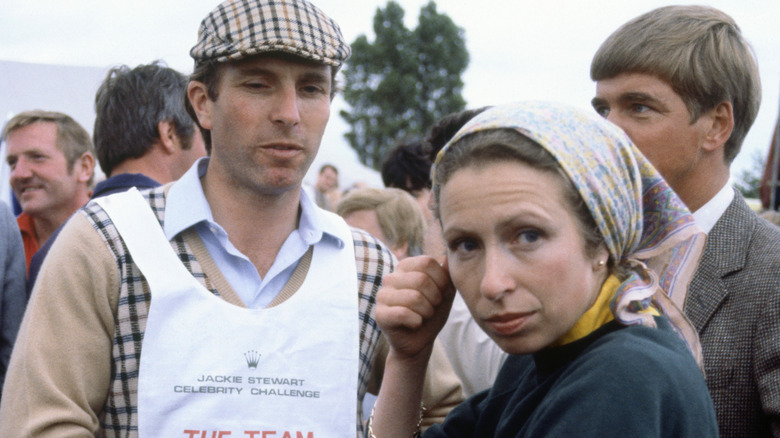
[[278, 187], [32, 207]]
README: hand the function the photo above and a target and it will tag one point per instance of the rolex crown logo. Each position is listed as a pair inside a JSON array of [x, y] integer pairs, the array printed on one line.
[[252, 358]]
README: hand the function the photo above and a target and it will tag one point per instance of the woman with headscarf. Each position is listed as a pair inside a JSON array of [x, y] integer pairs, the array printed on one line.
[[574, 255]]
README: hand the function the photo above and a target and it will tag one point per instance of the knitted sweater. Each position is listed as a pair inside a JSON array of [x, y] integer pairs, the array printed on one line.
[[618, 381]]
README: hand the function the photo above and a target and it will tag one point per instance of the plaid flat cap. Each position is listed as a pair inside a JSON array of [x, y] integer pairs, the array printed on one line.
[[240, 28]]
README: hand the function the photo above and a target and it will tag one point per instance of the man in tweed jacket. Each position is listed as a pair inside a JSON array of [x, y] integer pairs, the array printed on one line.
[[683, 83], [238, 222]]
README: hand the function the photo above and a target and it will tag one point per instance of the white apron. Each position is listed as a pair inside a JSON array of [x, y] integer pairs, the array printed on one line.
[[211, 369]]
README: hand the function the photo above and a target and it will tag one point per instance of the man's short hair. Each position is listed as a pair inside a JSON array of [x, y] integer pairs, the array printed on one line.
[[329, 166], [699, 51], [129, 105], [239, 29], [398, 214], [72, 139], [408, 167]]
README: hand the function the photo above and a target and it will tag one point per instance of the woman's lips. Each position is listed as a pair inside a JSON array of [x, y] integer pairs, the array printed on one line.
[[507, 323]]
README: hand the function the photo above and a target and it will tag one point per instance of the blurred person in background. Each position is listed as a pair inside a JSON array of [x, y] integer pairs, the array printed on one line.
[[326, 188], [52, 166], [12, 275], [389, 214]]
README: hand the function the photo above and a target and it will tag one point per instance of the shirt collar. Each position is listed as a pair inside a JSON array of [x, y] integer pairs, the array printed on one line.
[[317, 223], [709, 213], [25, 223], [186, 206], [186, 203]]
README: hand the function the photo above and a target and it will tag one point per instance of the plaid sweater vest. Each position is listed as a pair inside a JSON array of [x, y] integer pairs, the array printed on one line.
[[119, 416]]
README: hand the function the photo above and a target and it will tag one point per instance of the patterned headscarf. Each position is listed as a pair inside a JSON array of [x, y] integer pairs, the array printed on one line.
[[648, 231]]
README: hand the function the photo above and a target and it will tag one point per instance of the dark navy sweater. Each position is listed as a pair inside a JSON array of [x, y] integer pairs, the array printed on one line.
[[618, 381]]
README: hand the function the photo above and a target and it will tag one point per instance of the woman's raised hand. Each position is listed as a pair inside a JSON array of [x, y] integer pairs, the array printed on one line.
[[413, 305]]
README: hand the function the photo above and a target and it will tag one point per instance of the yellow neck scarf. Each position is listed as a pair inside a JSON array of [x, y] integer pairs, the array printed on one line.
[[598, 315]]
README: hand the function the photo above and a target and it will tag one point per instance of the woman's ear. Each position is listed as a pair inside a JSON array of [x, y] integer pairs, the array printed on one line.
[[601, 259]]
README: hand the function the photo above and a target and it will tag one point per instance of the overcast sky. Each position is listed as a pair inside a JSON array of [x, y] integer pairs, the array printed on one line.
[[519, 49]]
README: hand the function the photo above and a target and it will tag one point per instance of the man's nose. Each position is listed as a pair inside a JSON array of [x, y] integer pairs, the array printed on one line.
[[20, 170], [286, 111]]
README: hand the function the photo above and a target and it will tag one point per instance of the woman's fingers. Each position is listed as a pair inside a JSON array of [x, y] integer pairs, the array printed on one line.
[[397, 317], [411, 304], [418, 284]]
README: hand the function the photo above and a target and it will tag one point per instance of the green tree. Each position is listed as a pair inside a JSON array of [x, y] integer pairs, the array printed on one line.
[[748, 181], [401, 83]]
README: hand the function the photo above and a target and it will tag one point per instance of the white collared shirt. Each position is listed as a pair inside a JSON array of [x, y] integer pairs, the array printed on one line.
[[709, 213], [187, 206]]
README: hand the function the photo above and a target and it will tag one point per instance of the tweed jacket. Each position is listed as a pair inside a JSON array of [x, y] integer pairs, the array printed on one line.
[[734, 303]]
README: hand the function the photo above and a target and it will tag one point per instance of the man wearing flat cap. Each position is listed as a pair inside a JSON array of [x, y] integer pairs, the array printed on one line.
[[223, 304]]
